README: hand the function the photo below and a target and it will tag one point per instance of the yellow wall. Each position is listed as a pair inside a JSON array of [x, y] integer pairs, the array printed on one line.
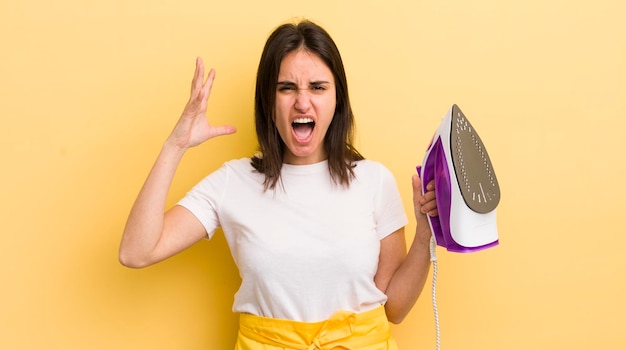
[[90, 89]]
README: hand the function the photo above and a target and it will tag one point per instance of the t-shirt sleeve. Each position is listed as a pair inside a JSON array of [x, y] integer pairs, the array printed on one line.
[[204, 198], [390, 214]]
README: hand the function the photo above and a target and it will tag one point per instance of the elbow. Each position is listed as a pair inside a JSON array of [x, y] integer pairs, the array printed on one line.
[[395, 316], [396, 319], [133, 256], [131, 261]]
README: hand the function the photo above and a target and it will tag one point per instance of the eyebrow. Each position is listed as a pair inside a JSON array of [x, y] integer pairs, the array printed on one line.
[[312, 83]]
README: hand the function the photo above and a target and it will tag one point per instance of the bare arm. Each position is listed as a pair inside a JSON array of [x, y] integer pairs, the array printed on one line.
[[152, 234], [400, 275]]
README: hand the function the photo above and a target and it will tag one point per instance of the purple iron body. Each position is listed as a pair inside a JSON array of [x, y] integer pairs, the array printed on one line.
[[466, 186]]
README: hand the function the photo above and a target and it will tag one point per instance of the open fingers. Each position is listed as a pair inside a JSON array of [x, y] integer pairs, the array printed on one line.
[[198, 77], [206, 87], [200, 90]]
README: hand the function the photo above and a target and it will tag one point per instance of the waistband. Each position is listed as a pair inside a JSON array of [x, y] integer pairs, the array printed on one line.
[[344, 330]]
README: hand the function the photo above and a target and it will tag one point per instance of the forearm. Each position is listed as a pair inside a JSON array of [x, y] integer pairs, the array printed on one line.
[[408, 281], [145, 221]]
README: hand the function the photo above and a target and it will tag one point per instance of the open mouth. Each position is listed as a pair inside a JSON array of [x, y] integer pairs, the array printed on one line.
[[303, 128]]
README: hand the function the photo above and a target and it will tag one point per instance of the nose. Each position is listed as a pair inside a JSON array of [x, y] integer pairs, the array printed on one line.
[[303, 101]]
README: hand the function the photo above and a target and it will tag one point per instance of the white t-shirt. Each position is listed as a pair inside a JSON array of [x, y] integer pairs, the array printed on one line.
[[308, 248]]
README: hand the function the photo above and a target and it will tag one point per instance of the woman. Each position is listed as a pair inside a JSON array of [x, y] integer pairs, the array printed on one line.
[[316, 230]]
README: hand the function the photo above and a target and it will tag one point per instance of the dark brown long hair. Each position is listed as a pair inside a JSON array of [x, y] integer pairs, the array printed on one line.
[[338, 140]]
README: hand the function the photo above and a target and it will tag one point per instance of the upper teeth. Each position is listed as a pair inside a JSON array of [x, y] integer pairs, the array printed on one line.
[[303, 120]]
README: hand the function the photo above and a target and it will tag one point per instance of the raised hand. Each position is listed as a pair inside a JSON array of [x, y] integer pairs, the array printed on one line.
[[193, 127], [152, 233]]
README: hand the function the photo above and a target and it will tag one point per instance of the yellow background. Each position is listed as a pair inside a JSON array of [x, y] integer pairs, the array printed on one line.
[[89, 90]]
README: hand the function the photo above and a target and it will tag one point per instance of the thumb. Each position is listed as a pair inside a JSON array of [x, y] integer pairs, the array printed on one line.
[[417, 190], [223, 130]]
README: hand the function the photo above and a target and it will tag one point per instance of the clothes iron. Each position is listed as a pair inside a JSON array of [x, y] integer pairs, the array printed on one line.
[[465, 184]]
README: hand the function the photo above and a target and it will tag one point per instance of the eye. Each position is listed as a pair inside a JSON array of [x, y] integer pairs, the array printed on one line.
[[318, 87], [286, 87]]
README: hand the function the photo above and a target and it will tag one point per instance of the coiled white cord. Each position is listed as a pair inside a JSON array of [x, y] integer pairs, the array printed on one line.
[[433, 259]]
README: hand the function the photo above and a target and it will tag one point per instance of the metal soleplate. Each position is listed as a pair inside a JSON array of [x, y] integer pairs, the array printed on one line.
[[472, 166]]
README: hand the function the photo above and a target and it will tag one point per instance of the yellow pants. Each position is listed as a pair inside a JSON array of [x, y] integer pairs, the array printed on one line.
[[344, 330]]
